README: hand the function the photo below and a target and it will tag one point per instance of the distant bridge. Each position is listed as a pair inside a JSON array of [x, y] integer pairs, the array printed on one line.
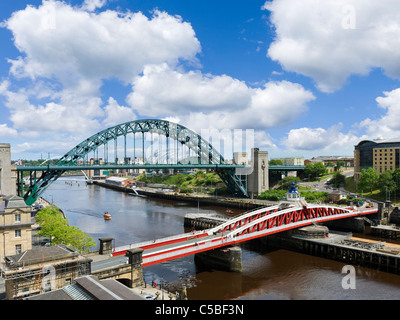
[[171, 146]]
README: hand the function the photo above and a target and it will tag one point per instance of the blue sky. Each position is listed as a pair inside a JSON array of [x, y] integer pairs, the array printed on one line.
[[310, 77]]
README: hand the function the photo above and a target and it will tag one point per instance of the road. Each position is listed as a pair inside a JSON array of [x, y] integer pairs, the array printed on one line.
[[322, 185]]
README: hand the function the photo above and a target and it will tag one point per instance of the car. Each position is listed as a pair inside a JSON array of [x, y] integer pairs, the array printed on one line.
[[150, 297]]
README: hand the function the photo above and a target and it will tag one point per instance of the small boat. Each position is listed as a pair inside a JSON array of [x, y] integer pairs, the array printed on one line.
[[229, 211], [107, 216]]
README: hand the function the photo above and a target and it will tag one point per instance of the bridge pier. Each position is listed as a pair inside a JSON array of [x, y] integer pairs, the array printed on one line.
[[257, 181], [7, 172], [226, 259]]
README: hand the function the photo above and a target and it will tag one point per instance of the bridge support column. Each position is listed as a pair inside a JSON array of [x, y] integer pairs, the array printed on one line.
[[257, 181], [135, 259], [227, 259], [105, 245], [8, 180]]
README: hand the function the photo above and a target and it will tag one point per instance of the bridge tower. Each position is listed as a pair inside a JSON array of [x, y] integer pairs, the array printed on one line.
[[7, 175], [258, 181]]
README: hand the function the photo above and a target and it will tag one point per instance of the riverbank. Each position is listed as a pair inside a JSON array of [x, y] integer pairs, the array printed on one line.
[[201, 199]]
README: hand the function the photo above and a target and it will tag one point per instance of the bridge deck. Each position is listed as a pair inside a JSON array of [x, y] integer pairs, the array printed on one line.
[[160, 250]]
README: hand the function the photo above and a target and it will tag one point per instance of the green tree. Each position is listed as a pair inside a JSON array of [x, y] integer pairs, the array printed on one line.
[[396, 178], [368, 180], [54, 225], [275, 162], [337, 179], [287, 182], [386, 182], [315, 170]]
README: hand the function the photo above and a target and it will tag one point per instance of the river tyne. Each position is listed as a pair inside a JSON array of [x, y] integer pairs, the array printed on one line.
[[268, 274]]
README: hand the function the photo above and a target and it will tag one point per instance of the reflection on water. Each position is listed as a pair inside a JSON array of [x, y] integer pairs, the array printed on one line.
[[267, 273]]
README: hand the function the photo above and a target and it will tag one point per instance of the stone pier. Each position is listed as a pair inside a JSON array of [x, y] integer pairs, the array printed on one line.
[[226, 258], [7, 174]]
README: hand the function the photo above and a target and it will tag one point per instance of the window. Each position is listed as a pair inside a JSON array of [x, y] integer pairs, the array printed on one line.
[[17, 218], [18, 249], [17, 233]]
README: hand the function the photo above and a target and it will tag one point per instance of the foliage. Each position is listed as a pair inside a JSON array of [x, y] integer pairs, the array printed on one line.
[[287, 182], [180, 180], [368, 180], [275, 162], [337, 179], [386, 182], [277, 195], [272, 195], [315, 170], [54, 225], [315, 196]]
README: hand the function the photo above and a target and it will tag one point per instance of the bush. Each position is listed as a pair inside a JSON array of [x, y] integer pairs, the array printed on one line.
[[272, 195]]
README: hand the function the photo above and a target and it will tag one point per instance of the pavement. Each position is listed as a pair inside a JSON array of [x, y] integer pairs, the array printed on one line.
[[154, 293]]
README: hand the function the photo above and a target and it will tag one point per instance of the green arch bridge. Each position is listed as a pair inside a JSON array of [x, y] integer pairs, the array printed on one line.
[[170, 146]]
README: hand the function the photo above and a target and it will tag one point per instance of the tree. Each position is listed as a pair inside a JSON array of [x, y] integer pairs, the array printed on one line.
[[386, 182], [275, 162], [337, 179], [368, 179], [55, 226], [287, 182], [315, 170]]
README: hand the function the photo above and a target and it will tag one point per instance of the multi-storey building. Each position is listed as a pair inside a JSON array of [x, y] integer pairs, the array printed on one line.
[[382, 155], [15, 226]]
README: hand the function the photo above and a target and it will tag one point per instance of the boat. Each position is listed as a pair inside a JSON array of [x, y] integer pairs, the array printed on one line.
[[107, 216], [229, 211]]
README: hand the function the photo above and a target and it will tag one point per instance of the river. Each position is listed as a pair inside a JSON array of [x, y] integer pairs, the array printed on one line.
[[268, 274]]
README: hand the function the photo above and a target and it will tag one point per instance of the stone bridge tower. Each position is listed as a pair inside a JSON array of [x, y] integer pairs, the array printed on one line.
[[257, 181], [7, 175]]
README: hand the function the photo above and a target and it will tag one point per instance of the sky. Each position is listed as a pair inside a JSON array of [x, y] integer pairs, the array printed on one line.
[[311, 78]]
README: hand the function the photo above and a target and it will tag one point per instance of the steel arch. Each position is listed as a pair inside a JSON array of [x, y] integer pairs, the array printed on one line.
[[206, 153]]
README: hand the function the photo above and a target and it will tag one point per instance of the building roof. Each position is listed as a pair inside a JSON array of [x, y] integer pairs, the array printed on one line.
[[116, 179], [378, 142], [12, 202], [39, 255], [90, 288]]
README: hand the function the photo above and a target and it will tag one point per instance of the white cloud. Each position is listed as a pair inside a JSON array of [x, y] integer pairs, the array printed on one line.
[[207, 101], [67, 52], [6, 132], [116, 114], [387, 126], [319, 139], [92, 5], [78, 43], [331, 40], [75, 112]]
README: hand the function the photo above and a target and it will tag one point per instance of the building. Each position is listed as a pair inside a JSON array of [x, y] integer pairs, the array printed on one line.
[[332, 160], [42, 269], [291, 161], [15, 226], [117, 181], [90, 288], [380, 154]]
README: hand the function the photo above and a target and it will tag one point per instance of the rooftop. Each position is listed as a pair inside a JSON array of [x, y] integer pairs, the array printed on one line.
[[39, 255], [90, 288]]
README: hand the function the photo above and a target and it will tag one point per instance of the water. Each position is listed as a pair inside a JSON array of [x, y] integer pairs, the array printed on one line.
[[268, 274]]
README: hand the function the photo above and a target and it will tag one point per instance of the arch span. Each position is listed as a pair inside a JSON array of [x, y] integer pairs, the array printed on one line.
[[203, 153]]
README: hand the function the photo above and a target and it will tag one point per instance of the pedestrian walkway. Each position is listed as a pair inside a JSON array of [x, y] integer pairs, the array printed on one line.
[[150, 292]]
